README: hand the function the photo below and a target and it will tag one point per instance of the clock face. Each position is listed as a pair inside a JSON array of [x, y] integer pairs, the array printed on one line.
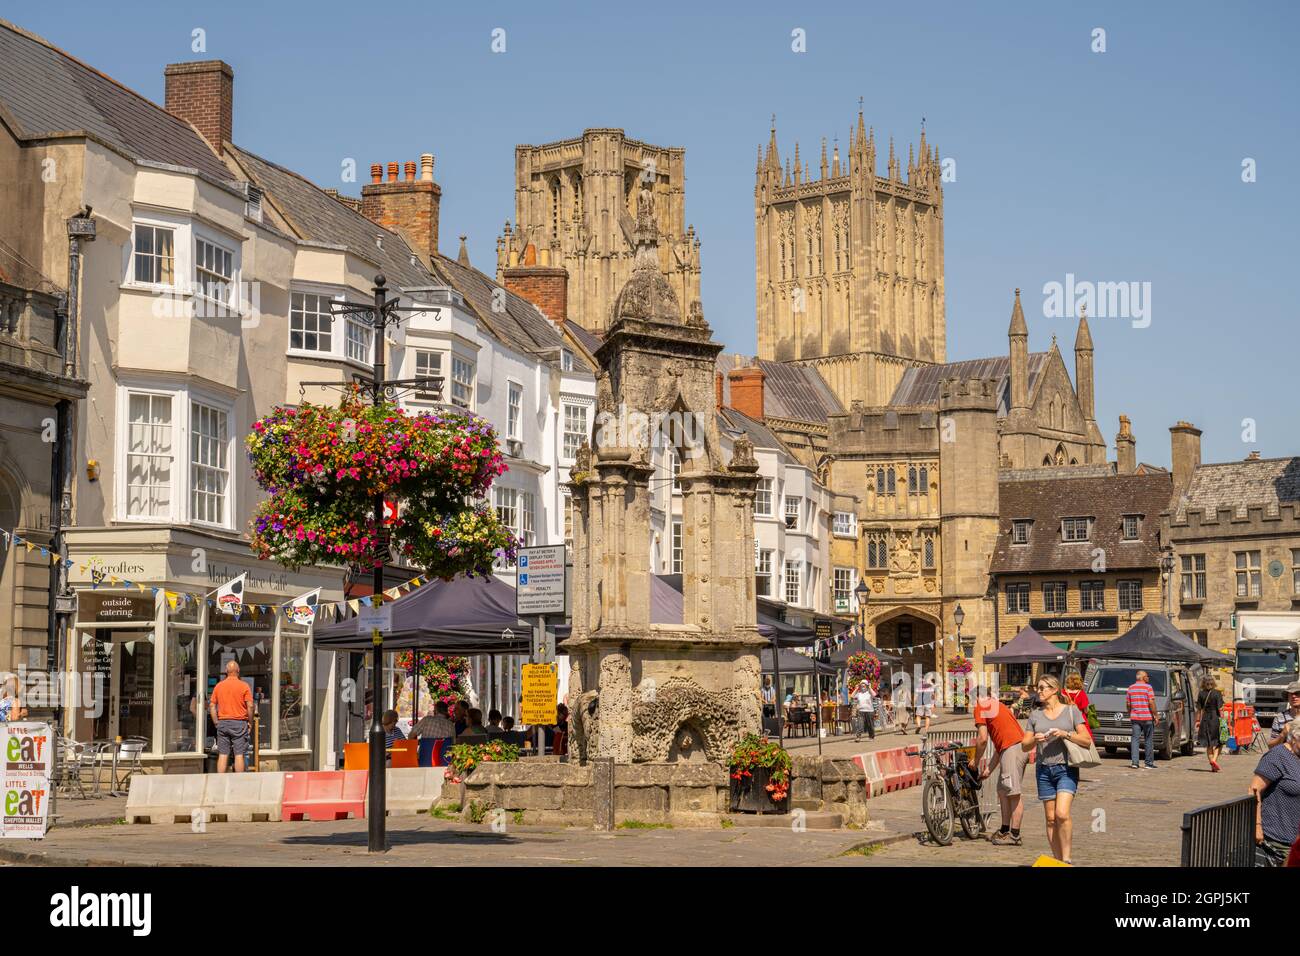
[[1275, 569]]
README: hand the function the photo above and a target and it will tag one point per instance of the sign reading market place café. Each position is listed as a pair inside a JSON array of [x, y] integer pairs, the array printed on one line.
[[1099, 624]]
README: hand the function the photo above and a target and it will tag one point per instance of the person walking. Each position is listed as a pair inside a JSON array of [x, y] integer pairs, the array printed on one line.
[[998, 739], [924, 703], [1209, 711], [1077, 696], [1049, 727], [11, 701], [865, 699], [231, 710], [1142, 715], [1276, 789]]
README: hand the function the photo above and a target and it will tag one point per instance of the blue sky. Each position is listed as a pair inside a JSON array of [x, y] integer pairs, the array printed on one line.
[[1122, 166]]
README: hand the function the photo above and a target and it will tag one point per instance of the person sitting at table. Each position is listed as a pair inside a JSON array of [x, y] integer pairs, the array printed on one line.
[[494, 728], [508, 723], [391, 731], [474, 725], [436, 725], [461, 717]]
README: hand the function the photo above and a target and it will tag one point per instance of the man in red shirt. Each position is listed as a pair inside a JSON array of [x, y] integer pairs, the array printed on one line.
[[231, 709], [995, 724]]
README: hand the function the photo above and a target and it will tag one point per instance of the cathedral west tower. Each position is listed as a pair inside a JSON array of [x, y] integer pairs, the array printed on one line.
[[849, 264]]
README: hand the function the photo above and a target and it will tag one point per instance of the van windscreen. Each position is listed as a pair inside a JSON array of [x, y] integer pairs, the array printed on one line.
[[1117, 680]]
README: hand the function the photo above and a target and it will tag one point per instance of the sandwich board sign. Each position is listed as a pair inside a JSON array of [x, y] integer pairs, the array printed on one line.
[[26, 764], [540, 580]]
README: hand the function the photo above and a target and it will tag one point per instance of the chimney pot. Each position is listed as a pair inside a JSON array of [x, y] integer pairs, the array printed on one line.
[[392, 172], [426, 167], [409, 170], [376, 172]]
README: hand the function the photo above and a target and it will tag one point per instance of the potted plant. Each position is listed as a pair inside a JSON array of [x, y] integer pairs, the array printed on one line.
[[760, 776], [463, 758]]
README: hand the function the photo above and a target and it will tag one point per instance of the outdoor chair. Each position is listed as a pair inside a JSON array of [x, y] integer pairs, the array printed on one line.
[[356, 756], [128, 760], [73, 756], [844, 718], [431, 751], [472, 739], [404, 753]]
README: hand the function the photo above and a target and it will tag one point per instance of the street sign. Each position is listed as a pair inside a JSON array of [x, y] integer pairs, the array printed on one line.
[[540, 684], [539, 580], [375, 619]]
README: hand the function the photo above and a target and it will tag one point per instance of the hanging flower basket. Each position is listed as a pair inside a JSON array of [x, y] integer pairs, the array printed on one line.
[[958, 668], [760, 776], [864, 667], [324, 467], [444, 676]]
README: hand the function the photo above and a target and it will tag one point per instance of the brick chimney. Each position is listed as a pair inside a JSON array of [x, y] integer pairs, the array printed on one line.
[[408, 205], [1125, 448], [746, 386], [545, 286], [1185, 445], [719, 400], [202, 94]]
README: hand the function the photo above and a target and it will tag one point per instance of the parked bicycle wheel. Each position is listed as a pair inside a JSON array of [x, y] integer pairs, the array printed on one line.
[[936, 810]]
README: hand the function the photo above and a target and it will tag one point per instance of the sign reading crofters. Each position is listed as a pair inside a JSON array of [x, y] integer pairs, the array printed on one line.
[[1102, 624], [94, 607]]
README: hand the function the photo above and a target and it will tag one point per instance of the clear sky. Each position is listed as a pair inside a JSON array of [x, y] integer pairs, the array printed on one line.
[[1115, 166]]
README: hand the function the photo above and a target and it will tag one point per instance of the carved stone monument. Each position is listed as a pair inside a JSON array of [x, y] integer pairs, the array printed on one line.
[[642, 692]]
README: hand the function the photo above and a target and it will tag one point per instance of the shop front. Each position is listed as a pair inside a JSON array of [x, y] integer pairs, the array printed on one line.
[[148, 645]]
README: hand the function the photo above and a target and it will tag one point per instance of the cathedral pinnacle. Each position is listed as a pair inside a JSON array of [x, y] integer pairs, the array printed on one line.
[[1018, 326]]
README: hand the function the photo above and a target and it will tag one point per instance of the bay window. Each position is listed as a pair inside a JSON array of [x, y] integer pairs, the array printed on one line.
[[462, 382], [214, 275], [359, 340], [311, 323], [154, 255], [150, 456], [209, 464]]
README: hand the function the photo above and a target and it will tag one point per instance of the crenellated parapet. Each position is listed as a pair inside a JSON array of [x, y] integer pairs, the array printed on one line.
[[1245, 521]]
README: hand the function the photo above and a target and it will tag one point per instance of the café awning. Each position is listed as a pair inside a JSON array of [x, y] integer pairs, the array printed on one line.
[[1027, 647]]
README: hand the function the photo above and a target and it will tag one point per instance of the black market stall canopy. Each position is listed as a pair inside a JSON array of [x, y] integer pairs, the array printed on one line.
[[666, 608], [792, 662], [1027, 647], [857, 644], [462, 616], [1155, 638]]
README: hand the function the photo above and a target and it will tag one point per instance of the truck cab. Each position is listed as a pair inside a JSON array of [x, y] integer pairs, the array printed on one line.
[[1268, 658], [1175, 685]]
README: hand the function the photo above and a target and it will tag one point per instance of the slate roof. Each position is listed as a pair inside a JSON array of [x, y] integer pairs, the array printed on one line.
[[47, 92], [591, 341], [1259, 482], [316, 216], [1106, 500], [793, 392], [759, 434], [921, 386]]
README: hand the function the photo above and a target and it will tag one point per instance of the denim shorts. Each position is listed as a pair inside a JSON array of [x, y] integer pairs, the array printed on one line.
[[1054, 778]]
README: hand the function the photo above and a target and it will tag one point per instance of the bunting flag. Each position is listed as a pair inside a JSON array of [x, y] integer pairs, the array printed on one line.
[[231, 594], [302, 609]]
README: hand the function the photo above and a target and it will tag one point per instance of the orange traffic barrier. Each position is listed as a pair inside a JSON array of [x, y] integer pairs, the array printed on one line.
[[324, 794]]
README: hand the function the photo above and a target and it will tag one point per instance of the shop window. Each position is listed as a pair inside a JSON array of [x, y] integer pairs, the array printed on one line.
[[293, 695], [183, 701]]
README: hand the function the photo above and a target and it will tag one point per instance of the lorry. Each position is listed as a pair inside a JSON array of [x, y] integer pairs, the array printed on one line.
[[1267, 660]]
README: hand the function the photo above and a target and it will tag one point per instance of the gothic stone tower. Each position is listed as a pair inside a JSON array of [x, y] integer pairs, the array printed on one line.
[[849, 265], [643, 692], [575, 203]]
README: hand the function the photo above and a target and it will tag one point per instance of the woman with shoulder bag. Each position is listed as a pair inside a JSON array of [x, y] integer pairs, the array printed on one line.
[[1052, 728], [1209, 707]]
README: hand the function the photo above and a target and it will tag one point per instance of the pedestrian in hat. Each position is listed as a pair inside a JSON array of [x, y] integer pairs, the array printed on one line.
[[1288, 714]]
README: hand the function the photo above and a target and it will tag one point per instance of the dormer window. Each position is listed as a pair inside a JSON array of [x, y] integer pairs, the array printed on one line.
[[1076, 529], [1020, 531], [1132, 526]]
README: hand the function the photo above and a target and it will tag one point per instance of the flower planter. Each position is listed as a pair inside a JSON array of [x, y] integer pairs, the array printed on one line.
[[749, 794]]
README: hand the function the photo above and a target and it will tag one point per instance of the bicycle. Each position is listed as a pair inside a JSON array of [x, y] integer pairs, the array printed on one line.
[[950, 792]]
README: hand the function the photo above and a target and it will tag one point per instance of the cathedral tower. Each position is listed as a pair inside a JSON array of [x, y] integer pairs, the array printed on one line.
[[576, 204], [849, 266]]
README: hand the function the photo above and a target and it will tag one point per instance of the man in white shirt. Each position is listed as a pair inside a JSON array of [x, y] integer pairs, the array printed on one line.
[[866, 707]]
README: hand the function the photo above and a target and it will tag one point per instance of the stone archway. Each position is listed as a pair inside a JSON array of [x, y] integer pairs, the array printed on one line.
[[908, 631]]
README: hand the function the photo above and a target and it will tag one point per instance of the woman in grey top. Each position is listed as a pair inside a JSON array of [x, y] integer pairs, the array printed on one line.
[[1050, 726]]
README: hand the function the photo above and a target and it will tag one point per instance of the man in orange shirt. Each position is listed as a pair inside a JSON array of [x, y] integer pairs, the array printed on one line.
[[995, 722], [231, 709]]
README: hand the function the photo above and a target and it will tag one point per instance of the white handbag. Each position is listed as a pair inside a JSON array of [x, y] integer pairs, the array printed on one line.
[[1083, 758]]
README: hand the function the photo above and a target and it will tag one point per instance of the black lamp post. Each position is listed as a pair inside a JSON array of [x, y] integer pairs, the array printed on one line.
[[862, 593]]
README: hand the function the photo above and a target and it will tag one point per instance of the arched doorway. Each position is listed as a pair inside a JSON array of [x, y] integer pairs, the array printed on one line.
[[910, 634]]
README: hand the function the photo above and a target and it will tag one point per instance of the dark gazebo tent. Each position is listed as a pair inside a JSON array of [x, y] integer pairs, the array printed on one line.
[[461, 616], [1027, 647], [1155, 638], [859, 645], [792, 662]]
